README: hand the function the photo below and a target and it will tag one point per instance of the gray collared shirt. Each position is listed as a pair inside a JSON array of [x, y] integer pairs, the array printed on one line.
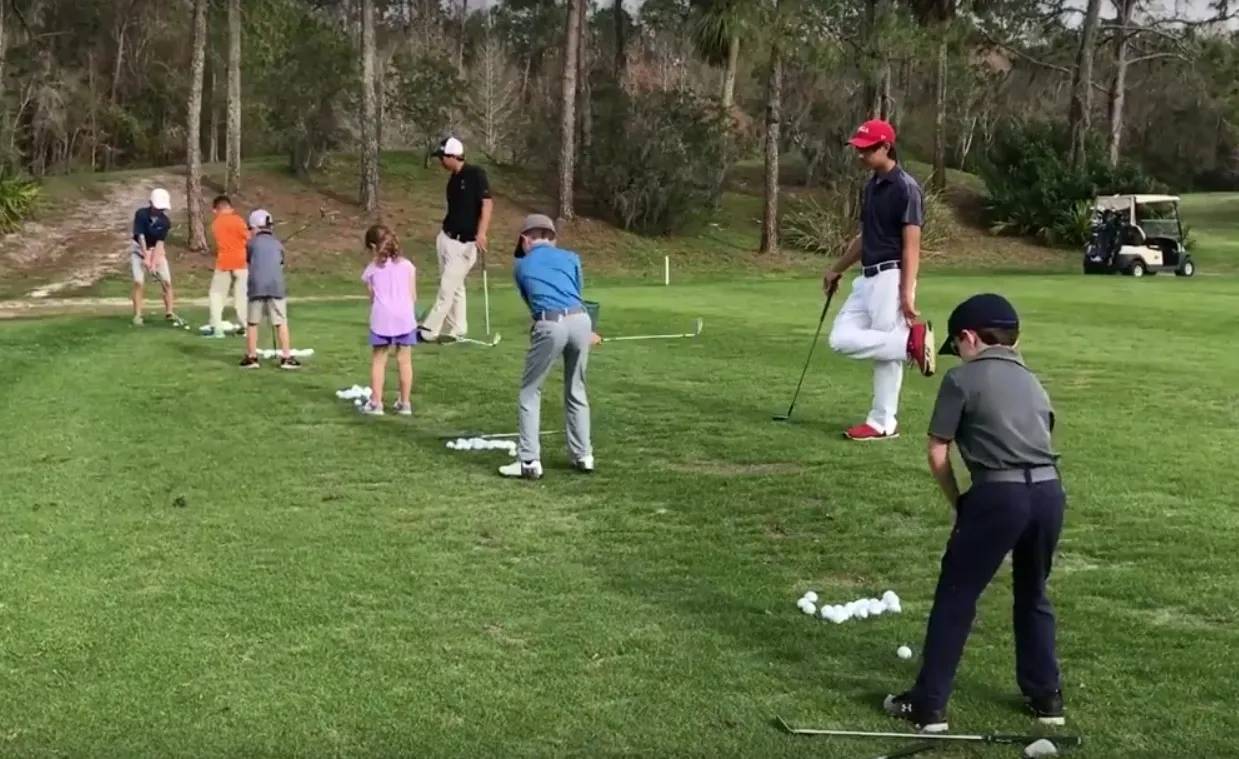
[[996, 411]]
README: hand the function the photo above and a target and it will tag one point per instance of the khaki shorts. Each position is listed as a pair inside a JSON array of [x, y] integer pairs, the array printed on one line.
[[274, 310], [138, 267]]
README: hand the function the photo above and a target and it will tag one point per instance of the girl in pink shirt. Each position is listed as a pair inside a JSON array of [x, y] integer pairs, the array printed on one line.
[[392, 282]]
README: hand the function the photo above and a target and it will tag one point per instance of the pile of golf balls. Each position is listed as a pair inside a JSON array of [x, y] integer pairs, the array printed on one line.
[[227, 327], [267, 353], [357, 394], [482, 444], [861, 608]]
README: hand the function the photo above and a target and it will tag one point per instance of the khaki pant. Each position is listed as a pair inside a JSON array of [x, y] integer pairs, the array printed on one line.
[[456, 259], [274, 310], [220, 282]]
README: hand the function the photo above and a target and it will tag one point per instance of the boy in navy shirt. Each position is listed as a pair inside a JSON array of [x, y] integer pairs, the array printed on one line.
[[150, 230]]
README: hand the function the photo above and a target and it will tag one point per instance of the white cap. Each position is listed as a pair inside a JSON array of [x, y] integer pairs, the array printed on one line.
[[450, 147], [260, 219], [160, 199]]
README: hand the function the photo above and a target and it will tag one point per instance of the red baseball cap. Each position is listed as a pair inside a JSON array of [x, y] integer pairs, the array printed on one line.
[[871, 133]]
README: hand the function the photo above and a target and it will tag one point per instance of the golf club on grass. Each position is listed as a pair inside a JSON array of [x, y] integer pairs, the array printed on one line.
[[991, 738], [696, 332], [498, 435], [821, 320], [494, 340]]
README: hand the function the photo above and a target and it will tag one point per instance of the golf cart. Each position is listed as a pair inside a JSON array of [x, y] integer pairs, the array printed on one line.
[[1137, 235]]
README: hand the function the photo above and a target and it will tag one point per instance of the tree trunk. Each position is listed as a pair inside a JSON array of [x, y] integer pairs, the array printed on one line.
[[193, 130], [938, 181], [1118, 85], [232, 182], [120, 60], [584, 94], [621, 59], [774, 115], [464, 26], [369, 112], [1078, 117], [729, 73], [213, 129], [567, 113], [5, 155]]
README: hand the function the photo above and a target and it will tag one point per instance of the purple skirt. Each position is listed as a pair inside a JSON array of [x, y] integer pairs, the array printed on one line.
[[379, 341]]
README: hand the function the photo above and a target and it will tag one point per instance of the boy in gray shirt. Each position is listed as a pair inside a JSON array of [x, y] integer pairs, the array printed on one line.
[[265, 291], [993, 408]]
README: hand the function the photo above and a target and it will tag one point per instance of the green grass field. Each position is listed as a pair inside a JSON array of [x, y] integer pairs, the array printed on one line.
[[343, 586]]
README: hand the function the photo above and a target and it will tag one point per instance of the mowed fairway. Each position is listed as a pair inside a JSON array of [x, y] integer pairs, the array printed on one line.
[[342, 586]]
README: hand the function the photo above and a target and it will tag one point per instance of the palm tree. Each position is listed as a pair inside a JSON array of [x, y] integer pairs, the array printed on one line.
[[717, 32]]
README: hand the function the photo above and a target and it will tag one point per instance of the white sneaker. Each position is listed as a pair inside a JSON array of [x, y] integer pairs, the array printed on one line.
[[403, 409], [370, 409], [137, 320], [525, 470], [585, 464]]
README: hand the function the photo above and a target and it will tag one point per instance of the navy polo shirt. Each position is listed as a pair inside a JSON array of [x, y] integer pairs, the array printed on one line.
[[151, 224], [890, 202]]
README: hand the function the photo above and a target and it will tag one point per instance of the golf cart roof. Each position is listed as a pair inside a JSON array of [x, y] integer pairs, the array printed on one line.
[[1119, 202]]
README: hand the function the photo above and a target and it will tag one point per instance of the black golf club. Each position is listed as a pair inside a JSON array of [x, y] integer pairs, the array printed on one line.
[[816, 335]]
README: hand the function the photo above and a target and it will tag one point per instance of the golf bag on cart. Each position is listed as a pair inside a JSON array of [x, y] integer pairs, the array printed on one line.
[[1101, 254]]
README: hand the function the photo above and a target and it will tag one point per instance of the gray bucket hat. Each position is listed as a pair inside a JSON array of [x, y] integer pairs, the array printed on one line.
[[537, 221]]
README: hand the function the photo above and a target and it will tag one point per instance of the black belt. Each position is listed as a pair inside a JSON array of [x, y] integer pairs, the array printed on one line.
[[556, 314], [1027, 475], [873, 271], [460, 237]]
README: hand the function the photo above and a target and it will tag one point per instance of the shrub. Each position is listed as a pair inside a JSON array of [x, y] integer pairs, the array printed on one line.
[[17, 199], [658, 158], [1033, 190], [825, 224]]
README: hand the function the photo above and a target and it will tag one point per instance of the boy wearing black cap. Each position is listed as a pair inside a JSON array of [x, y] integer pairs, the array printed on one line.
[[996, 411]]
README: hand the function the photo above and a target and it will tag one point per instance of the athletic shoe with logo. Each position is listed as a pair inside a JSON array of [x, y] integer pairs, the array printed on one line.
[[1048, 709], [250, 362], [370, 409], [403, 409], [288, 362], [921, 348], [526, 470], [866, 433], [924, 720], [585, 465], [137, 321]]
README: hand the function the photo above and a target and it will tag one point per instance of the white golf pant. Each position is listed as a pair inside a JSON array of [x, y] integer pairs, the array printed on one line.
[[871, 326], [456, 259]]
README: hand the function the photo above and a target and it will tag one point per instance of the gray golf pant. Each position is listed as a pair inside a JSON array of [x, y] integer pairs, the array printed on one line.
[[569, 336]]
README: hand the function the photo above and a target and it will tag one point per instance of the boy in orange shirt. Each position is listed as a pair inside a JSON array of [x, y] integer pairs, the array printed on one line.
[[231, 235]]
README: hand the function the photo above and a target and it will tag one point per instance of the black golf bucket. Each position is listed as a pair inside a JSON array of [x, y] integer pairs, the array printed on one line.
[[592, 308]]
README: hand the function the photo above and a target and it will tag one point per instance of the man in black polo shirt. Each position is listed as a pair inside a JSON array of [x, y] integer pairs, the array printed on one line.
[[463, 235], [878, 322]]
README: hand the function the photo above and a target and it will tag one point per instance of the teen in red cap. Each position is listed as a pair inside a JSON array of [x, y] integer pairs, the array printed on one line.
[[879, 321]]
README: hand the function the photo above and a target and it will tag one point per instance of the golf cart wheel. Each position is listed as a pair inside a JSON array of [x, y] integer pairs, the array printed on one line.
[[1187, 269], [1138, 269]]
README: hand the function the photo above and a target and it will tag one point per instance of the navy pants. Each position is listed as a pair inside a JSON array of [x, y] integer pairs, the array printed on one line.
[[994, 519]]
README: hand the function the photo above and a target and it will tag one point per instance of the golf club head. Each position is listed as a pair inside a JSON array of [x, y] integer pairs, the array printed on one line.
[[781, 417]]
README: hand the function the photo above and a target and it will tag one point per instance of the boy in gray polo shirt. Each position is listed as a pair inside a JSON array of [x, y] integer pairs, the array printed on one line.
[[264, 255], [997, 412]]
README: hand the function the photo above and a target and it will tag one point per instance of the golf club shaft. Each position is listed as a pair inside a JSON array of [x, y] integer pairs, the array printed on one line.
[[486, 294], [816, 335], [1065, 740]]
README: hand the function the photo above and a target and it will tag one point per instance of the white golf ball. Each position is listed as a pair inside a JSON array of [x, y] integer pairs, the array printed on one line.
[[862, 612], [809, 608], [903, 652], [357, 402], [876, 607], [811, 596]]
